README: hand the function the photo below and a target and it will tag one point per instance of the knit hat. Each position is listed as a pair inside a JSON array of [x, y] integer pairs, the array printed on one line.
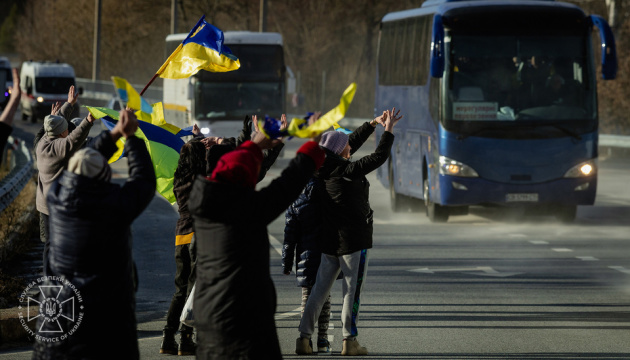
[[240, 167], [334, 141], [76, 121], [54, 125], [90, 163]]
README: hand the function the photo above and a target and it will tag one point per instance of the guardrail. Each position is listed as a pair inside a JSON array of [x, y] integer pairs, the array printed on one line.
[[21, 164], [101, 91]]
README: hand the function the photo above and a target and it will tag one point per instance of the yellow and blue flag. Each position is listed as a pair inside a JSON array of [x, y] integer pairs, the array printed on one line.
[[298, 128], [129, 95], [203, 49], [163, 143]]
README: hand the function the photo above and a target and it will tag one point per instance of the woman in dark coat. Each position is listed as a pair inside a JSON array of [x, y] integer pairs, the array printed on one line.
[[90, 248], [235, 298]]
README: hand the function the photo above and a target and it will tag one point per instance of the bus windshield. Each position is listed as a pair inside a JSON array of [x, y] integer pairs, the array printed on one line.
[[499, 82], [232, 100], [53, 85]]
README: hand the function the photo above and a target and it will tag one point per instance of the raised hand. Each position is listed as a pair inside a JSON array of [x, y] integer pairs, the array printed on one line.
[[283, 122], [393, 117], [129, 123], [312, 120], [72, 95], [195, 130], [55, 108]]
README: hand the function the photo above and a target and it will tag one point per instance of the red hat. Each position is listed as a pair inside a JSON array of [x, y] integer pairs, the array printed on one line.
[[240, 166]]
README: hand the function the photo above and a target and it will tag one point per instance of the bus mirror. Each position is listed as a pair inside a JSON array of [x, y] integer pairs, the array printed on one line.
[[80, 90], [609, 50], [437, 47]]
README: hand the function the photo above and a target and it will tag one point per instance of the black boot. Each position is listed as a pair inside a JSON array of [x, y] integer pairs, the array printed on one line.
[[186, 344], [169, 345]]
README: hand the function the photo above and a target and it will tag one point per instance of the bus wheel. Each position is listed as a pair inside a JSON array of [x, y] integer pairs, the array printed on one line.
[[436, 213], [395, 200], [566, 214]]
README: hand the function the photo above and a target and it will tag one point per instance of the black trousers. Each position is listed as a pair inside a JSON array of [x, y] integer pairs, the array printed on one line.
[[185, 276], [44, 230]]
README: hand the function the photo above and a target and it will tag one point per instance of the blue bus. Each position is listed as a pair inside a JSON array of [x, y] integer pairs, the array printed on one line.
[[500, 104]]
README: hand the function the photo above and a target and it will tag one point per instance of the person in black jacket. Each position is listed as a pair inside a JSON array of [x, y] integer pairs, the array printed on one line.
[[302, 233], [235, 299], [89, 293], [198, 156], [346, 207]]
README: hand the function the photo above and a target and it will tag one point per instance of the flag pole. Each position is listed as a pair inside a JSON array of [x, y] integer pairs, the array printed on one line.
[[192, 31], [149, 84]]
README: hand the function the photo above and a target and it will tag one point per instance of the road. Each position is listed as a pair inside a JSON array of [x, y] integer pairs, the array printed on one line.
[[482, 286]]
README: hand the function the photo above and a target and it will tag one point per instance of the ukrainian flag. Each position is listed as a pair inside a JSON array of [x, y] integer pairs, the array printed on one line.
[[129, 95], [163, 143], [202, 49], [298, 127]]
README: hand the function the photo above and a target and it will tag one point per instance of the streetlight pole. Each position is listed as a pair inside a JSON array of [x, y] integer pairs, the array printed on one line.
[[262, 24], [97, 40]]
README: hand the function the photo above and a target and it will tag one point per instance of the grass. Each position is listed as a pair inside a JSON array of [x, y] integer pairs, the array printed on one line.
[[11, 286]]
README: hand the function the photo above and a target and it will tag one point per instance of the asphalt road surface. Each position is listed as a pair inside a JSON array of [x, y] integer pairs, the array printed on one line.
[[488, 285]]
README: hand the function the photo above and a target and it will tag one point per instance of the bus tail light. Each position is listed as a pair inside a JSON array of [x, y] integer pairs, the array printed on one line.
[[455, 168]]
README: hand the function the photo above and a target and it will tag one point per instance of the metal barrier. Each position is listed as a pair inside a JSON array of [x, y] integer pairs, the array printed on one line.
[[99, 92], [21, 163]]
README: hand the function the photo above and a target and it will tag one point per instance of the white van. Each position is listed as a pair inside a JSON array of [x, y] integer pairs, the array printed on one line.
[[43, 84], [6, 81]]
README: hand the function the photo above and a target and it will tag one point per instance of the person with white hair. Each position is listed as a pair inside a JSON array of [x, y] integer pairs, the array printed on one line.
[[91, 248]]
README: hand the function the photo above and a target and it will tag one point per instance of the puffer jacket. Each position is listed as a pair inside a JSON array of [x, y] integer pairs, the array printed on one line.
[[302, 232], [346, 205], [90, 246], [235, 299]]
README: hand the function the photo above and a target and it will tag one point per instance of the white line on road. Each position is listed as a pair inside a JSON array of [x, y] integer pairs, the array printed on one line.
[[275, 243], [561, 250], [539, 242], [479, 270], [621, 269], [587, 258]]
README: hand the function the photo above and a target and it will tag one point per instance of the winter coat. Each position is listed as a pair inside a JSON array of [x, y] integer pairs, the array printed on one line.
[[235, 299], [346, 203], [90, 246], [302, 233], [52, 158]]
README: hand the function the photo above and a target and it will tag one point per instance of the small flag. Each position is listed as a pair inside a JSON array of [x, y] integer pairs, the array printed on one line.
[[271, 126]]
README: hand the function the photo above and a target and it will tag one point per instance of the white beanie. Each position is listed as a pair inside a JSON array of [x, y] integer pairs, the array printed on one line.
[[55, 125], [90, 163]]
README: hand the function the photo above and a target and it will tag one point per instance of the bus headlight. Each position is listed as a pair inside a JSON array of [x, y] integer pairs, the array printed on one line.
[[584, 169], [455, 168], [205, 130], [40, 99]]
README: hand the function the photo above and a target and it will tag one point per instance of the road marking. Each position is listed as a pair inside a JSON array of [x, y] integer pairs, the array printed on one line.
[[587, 258], [479, 270], [621, 269], [539, 242], [276, 244], [518, 235], [562, 250]]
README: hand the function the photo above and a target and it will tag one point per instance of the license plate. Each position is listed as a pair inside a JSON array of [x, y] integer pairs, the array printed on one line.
[[521, 197]]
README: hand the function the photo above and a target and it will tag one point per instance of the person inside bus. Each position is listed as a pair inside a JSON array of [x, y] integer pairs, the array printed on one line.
[[557, 92]]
